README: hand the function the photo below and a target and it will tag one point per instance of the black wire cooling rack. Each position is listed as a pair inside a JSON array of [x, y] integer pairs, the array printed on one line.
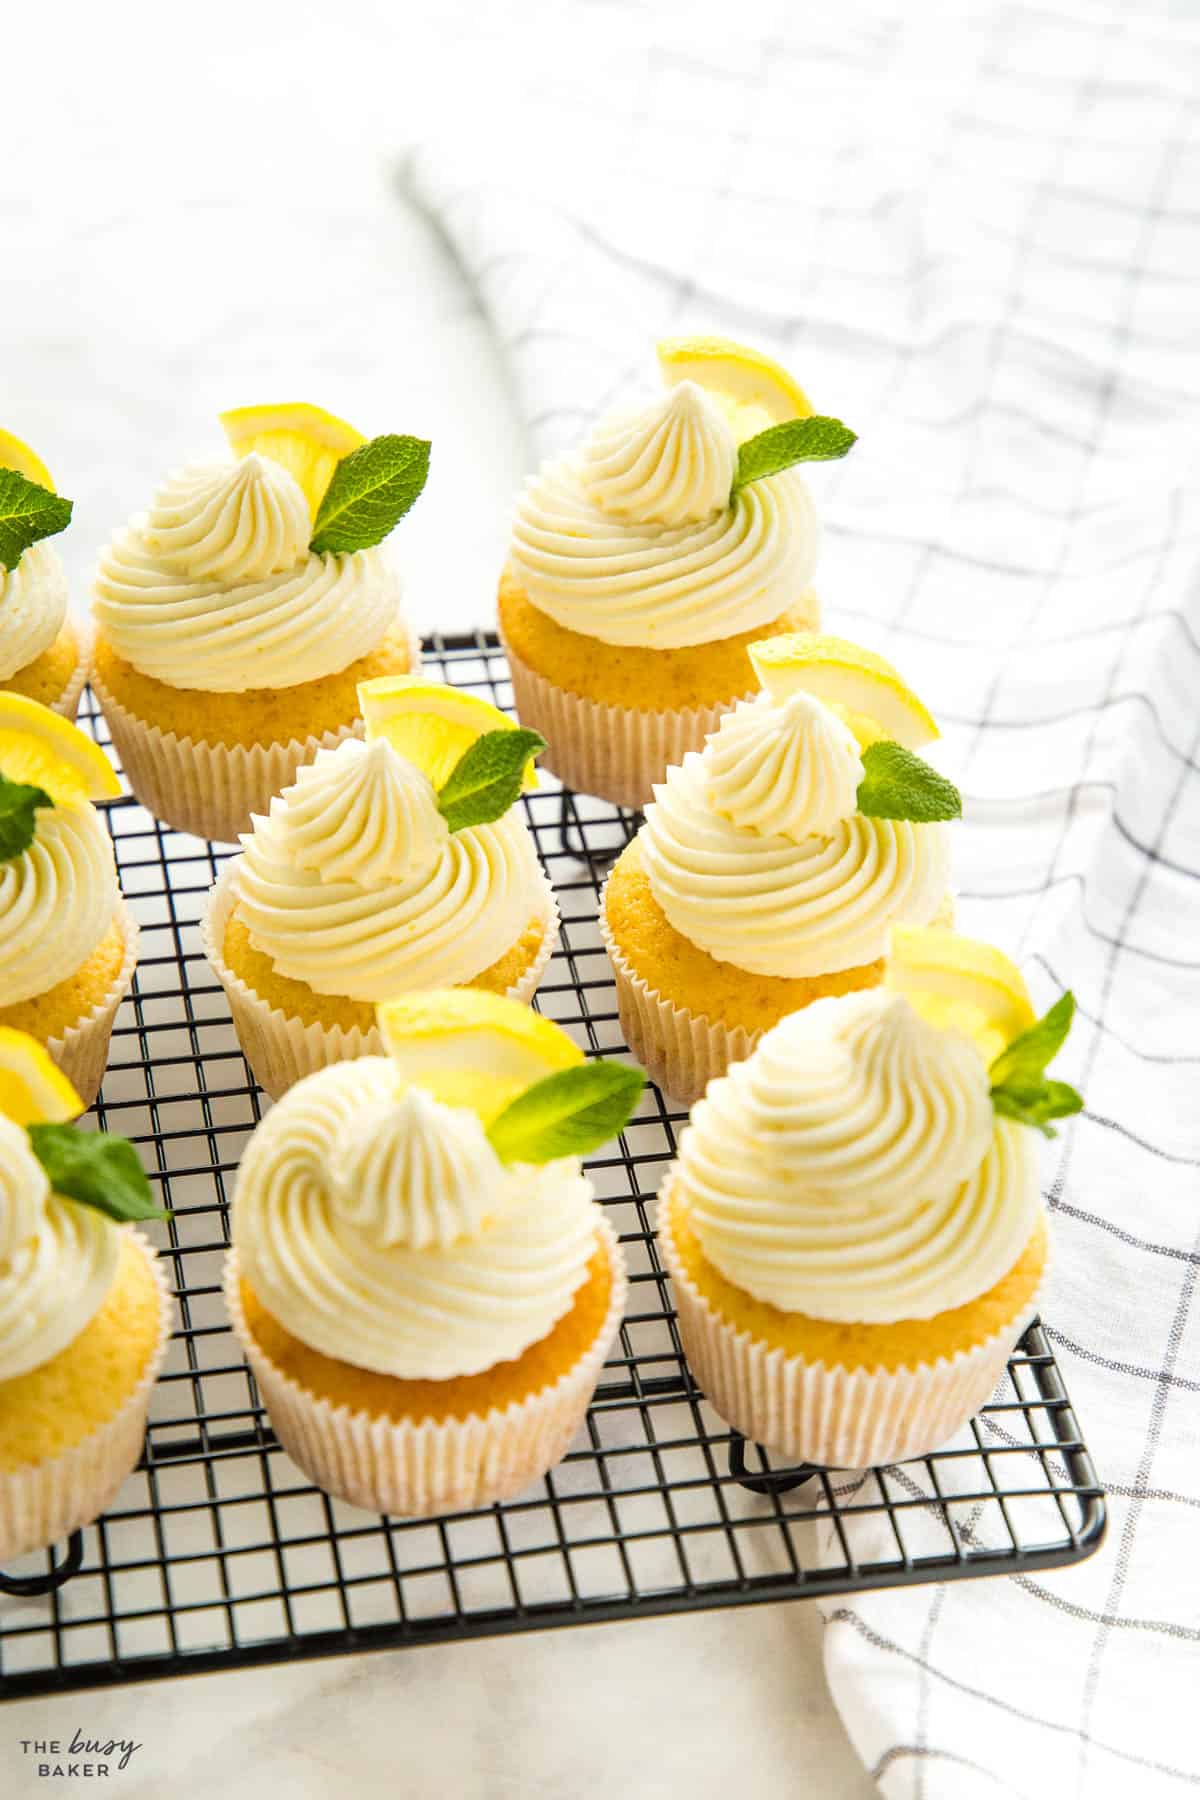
[[219, 1553]]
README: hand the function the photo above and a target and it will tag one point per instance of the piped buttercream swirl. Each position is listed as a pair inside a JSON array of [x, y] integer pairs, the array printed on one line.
[[407, 1170], [33, 607], [444, 1309], [57, 900], [233, 521], [788, 769], [673, 461], [852, 1169], [369, 817]]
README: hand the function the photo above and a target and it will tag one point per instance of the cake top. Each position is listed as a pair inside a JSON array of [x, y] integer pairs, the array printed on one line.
[[871, 1160], [261, 569], [399, 862], [680, 521], [33, 585], [64, 1194], [424, 1214], [804, 829]]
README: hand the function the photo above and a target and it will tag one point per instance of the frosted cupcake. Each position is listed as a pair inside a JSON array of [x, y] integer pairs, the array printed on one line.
[[43, 653], [369, 879], [68, 943], [642, 566], [854, 1226], [236, 618], [773, 863], [420, 1278], [84, 1310]]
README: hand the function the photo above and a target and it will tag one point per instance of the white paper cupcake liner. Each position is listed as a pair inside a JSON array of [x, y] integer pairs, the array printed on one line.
[[614, 752], [82, 1050], [210, 790], [416, 1468], [282, 1049], [68, 701], [42, 1503], [835, 1417]]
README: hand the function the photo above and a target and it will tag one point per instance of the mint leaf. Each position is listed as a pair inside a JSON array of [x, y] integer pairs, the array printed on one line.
[[797, 440], [18, 806], [567, 1114], [897, 784], [486, 780], [370, 492], [96, 1169], [1032, 1052], [1036, 1103], [27, 512]]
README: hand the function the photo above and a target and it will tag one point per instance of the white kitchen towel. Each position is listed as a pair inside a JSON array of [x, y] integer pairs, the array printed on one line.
[[974, 233]]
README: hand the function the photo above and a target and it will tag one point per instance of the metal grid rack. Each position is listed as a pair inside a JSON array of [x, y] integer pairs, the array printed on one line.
[[220, 1553]]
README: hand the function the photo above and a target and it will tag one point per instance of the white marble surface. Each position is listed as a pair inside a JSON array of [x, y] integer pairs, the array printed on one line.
[[205, 211]]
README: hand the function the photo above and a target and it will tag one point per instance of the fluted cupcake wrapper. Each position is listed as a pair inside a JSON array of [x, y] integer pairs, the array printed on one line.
[[282, 1049], [835, 1417], [68, 701], [42, 1503], [615, 752], [82, 1050], [419, 1467], [210, 790]]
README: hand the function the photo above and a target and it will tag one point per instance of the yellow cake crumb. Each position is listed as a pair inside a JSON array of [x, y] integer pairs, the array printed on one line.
[[50, 1014], [389, 1397], [849, 1346], [260, 716], [58, 1404], [48, 676], [299, 1001], [627, 675]]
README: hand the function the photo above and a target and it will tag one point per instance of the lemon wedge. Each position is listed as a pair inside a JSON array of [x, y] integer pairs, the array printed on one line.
[[429, 723], [306, 440], [841, 673], [32, 1090], [961, 984], [16, 455], [39, 747], [468, 1047], [752, 389]]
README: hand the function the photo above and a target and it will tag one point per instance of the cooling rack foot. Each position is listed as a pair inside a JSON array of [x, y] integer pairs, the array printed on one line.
[[32, 1587]]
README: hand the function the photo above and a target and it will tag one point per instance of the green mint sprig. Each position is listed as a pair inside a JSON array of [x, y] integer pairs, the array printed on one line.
[[567, 1114], [96, 1169], [897, 784], [486, 780], [28, 512], [817, 439], [371, 490], [19, 803], [1021, 1089]]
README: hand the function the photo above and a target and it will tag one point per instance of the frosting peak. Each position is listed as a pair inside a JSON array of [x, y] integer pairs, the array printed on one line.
[[236, 521], [363, 813], [57, 900], [671, 462], [33, 607], [790, 768], [414, 1172]]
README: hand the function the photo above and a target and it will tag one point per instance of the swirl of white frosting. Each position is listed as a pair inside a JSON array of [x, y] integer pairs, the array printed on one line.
[[57, 900], [368, 817], [776, 906], [429, 1313], [433, 924], [407, 1170], [635, 540], [788, 769], [57, 1260], [229, 521], [194, 594], [33, 607], [852, 1168]]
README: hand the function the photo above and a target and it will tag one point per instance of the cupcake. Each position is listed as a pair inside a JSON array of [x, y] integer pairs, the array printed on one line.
[[43, 653], [68, 943], [643, 565], [854, 1226], [85, 1313], [773, 862], [420, 1278], [236, 618], [368, 879]]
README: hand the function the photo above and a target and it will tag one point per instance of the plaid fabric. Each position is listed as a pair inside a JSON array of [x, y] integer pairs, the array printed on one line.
[[974, 234]]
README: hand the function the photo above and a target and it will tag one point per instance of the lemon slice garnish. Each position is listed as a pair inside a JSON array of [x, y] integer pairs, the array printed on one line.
[[845, 675], [306, 440], [468, 1047], [960, 984], [39, 747], [33, 1090], [16, 455], [429, 723], [752, 389]]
